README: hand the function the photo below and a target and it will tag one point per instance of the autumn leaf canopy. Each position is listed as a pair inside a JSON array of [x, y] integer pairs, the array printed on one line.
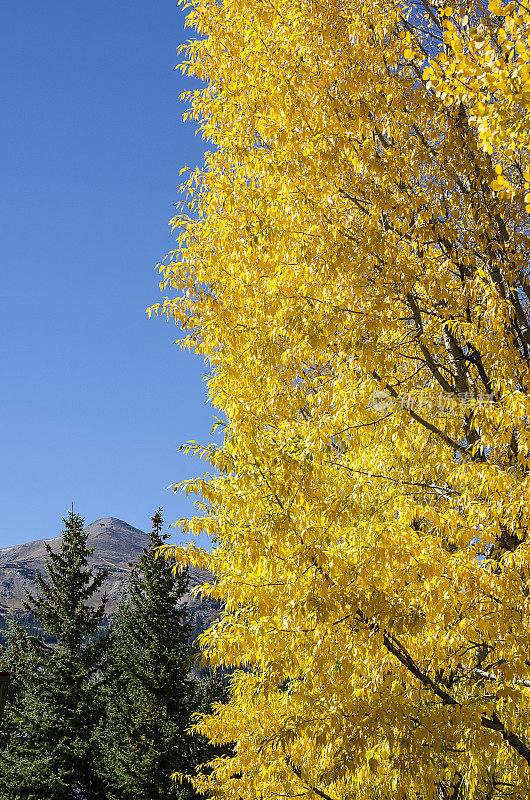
[[352, 261]]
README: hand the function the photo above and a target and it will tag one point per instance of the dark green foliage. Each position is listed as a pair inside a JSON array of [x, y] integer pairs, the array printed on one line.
[[54, 704], [34, 628], [28, 623], [18, 659], [150, 693], [93, 717]]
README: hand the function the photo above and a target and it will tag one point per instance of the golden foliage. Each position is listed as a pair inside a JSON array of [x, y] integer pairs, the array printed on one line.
[[361, 226]]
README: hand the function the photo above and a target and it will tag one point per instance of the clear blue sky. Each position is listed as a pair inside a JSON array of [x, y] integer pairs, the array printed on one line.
[[95, 397]]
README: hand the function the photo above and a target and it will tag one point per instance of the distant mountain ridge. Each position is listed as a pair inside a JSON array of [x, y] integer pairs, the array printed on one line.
[[116, 545]]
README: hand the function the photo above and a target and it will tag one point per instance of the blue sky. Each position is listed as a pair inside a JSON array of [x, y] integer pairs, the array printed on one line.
[[96, 398]]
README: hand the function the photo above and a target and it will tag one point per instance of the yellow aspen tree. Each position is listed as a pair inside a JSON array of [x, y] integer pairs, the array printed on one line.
[[486, 67], [352, 261]]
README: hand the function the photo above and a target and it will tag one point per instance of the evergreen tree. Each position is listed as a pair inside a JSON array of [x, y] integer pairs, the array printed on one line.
[[54, 709], [18, 659], [150, 696]]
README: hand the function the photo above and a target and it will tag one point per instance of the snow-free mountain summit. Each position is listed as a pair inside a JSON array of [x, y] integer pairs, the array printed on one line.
[[116, 545]]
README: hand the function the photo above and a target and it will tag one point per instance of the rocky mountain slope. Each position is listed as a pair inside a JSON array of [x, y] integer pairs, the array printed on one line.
[[117, 544]]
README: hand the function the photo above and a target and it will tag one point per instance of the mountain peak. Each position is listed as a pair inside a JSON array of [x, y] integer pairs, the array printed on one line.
[[112, 522], [112, 526], [116, 545]]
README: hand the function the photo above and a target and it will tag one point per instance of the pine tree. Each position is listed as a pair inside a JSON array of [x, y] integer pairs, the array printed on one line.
[[150, 696], [54, 709], [17, 658]]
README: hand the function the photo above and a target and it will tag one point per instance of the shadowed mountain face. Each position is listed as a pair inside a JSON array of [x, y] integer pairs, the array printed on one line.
[[116, 545]]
